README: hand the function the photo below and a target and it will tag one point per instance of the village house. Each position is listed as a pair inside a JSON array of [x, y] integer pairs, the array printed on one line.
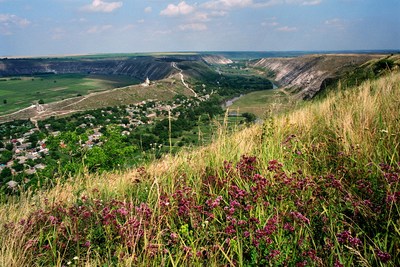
[[39, 166], [21, 159], [30, 171]]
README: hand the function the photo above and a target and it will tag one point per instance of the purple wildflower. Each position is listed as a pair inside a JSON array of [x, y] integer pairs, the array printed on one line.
[[300, 217], [338, 264], [273, 254], [86, 244], [383, 256]]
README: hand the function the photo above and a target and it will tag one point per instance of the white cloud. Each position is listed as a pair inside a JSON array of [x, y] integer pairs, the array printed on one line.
[[336, 23], [272, 23], [286, 29], [175, 10], [269, 3], [148, 9], [161, 32], [99, 29], [102, 6], [200, 16], [218, 13], [207, 16], [8, 22], [193, 27], [10, 19], [311, 3], [79, 20], [269, 24], [226, 4]]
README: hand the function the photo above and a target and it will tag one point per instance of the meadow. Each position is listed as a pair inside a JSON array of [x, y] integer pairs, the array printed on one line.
[[20, 92], [318, 186], [263, 103]]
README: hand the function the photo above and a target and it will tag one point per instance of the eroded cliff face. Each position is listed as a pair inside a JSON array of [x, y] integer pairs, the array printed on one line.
[[308, 73], [140, 67], [216, 60]]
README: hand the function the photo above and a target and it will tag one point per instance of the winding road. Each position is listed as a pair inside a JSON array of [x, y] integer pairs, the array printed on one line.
[[173, 64]]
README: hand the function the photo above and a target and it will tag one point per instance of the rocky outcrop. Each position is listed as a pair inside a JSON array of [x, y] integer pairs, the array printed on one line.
[[308, 73], [216, 60]]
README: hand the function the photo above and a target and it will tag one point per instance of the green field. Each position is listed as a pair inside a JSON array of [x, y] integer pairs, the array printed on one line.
[[128, 55], [20, 92], [260, 102]]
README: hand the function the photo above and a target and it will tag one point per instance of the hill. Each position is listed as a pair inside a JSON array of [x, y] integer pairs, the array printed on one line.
[[307, 75], [315, 187], [165, 89], [140, 67], [68, 85]]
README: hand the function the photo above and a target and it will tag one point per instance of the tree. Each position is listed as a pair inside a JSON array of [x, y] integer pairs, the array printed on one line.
[[5, 101], [146, 140], [116, 148], [95, 159], [5, 156], [5, 173], [249, 117], [33, 138], [9, 146], [125, 121], [17, 166], [41, 102]]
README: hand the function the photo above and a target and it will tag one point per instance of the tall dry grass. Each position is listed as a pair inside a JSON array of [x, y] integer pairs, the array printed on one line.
[[361, 123]]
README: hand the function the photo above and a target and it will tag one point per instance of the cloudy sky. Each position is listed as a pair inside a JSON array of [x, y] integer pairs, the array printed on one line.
[[48, 27]]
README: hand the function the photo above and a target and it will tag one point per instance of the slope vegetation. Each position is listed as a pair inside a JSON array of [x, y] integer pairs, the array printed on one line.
[[316, 187]]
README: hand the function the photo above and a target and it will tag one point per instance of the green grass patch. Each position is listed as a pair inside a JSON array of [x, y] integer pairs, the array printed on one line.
[[21, 92], [260, 102]]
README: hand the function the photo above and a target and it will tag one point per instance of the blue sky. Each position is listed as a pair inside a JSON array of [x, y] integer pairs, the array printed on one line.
[[51, 27]]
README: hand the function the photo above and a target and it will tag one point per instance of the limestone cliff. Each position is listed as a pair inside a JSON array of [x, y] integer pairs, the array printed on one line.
[[140, 67], [308, 73], [216, 60]]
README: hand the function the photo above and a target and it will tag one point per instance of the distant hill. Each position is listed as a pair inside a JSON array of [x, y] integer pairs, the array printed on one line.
[[156, 67], [140, 67], [251, 55]]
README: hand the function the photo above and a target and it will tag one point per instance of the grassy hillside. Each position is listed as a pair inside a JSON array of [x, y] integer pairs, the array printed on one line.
[[21, 92], [162, 90], [348, 78], [316, 187]]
